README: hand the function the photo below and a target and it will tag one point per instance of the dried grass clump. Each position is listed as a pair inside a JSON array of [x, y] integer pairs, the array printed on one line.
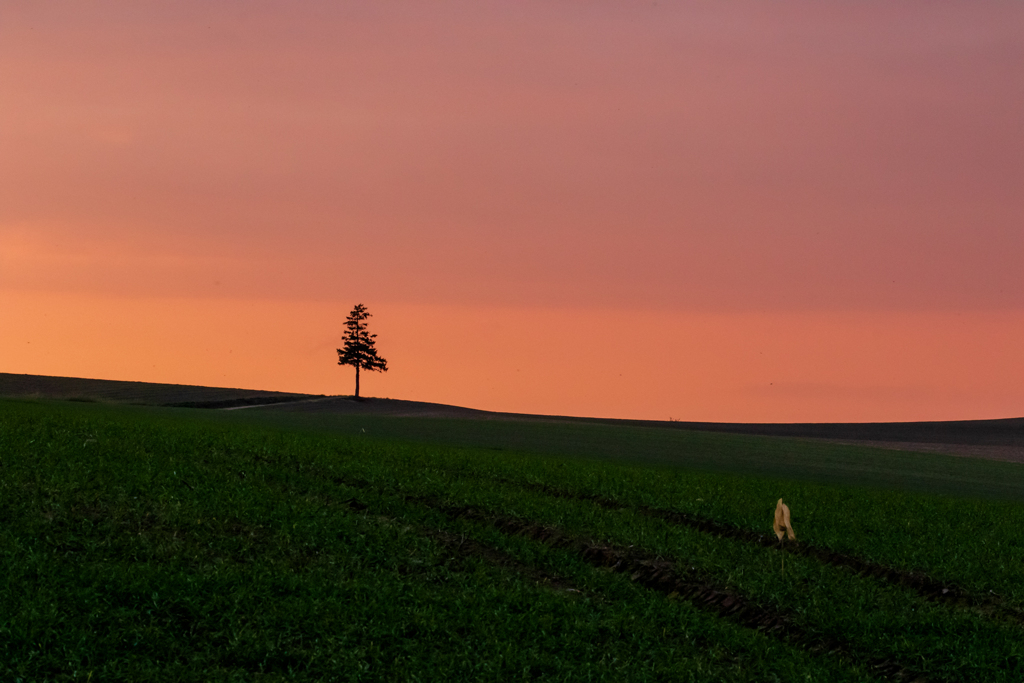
[[783, 525]]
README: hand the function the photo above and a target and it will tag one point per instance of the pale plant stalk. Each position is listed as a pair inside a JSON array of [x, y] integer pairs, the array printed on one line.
[[783, 527]]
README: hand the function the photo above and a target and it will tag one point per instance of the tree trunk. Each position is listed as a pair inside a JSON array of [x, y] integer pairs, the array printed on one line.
[[357, 380]]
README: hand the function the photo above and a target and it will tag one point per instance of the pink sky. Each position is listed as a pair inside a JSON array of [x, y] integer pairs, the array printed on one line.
[[747, 211]]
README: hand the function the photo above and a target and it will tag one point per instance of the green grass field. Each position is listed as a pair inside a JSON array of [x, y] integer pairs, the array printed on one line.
[[160, 544], [673, 448]]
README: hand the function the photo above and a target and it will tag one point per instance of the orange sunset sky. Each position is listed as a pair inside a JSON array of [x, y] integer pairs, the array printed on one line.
[[735, 211]]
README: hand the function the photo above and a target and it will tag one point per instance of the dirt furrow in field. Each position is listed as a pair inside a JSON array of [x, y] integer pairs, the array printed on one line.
[[687, 583], [929, 588], [674, 580], [462, 546]]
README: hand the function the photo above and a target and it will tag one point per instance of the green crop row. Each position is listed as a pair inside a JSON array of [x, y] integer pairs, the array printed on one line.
[[881, 622], [102, 509], [976, 544], [135, 549]]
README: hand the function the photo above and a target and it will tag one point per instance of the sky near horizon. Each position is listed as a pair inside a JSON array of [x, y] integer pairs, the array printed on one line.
[[794, 211]]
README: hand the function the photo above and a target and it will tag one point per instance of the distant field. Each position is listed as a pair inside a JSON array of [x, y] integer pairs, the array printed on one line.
[[671, 448], [141, 393], [1001, 439], [671, 444], [165, 544], [1002, 433]]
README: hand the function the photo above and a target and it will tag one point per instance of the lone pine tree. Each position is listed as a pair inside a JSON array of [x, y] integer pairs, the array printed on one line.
[[359, 349]]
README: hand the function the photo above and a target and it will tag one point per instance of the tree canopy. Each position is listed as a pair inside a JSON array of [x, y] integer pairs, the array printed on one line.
[[359, 346]]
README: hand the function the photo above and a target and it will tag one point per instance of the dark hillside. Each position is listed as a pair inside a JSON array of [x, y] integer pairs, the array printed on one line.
[[1001, 433], [1004, 432], [143, 393]]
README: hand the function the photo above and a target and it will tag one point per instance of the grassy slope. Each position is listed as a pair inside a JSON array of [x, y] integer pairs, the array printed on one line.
[[114, 391], [137, 547], [708, 451], [142, 543]]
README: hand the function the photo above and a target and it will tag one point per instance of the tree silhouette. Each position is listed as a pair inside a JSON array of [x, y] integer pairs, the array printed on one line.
[[359, 349]]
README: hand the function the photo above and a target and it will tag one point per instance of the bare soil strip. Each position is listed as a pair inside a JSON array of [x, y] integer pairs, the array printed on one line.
[[687, 583], [991, 605], [672, 579], [463, 546]]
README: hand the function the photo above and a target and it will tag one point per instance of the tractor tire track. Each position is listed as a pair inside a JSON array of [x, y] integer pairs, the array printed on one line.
[[687, 583], [462, 546], [930, 589], [673, 580]]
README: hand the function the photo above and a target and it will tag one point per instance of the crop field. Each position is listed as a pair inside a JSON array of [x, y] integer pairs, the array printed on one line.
[[785, 458], [140, 393], [154, 544]]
